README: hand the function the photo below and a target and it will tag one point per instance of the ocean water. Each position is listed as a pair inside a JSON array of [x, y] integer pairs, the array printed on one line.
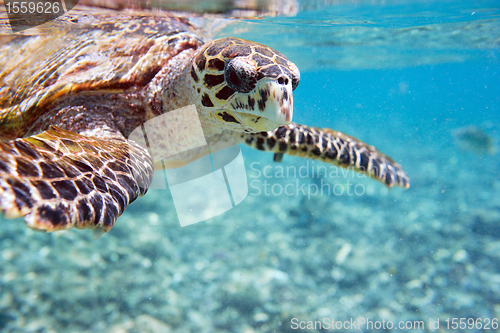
[[402, 76]]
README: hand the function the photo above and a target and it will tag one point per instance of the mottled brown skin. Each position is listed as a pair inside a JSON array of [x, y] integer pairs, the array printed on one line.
[[83, 182], [73, 96], [331, 147]]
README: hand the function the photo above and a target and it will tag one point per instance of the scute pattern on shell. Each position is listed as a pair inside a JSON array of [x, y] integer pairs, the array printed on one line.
[[121, 52]]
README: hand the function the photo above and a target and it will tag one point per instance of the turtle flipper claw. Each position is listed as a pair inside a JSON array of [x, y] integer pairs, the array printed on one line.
[[59, 180]]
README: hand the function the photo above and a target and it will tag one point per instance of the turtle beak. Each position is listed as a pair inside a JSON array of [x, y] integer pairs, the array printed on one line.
[[265, 108]]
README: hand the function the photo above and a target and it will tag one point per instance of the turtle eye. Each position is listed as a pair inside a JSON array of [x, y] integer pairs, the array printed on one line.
[[240, 75]]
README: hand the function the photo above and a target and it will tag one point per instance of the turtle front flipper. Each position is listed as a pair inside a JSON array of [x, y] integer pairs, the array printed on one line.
[[330, 147], [59, 180]]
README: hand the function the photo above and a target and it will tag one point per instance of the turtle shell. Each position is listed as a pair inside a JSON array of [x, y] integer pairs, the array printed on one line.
[[85, 50]]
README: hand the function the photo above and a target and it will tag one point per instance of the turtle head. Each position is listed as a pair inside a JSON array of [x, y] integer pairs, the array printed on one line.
[[246, 85]]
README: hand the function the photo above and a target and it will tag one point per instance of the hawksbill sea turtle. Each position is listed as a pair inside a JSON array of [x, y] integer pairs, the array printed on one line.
[[71, 96]]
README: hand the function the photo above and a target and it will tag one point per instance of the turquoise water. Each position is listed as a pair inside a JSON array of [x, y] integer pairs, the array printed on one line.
[[402, 77]]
